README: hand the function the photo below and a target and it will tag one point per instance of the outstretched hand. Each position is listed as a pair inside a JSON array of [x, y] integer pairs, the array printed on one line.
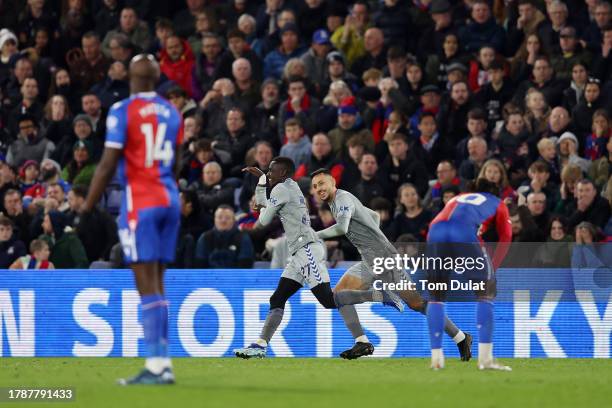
[[253, 170]]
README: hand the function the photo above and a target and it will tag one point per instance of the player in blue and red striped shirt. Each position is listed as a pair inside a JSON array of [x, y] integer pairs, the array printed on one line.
[[143, 133], [456, 232]]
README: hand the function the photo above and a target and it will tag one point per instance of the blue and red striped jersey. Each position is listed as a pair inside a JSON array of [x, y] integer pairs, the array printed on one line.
[[148, 129]]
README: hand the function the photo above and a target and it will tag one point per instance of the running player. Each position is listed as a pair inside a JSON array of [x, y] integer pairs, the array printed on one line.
[[361, 227], [143, 132], [456, 232], [307, 262]]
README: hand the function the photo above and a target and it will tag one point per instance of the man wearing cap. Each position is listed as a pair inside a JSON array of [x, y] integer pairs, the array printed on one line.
[[275, 61], [571, 53], [315, 58], [30, 144], [349, 125], [568, 152], [82, 130], [526, 23], [336, 71], [430, 97], [432, 39], [455, 72]]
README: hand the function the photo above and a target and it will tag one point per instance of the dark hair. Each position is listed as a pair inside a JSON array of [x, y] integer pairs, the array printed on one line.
[[380, 204], [80, 190], [450, 189], [91, 34], [164, 23], [396, 52], [477, 114], [426, 114], [322, 170], [292, 122], [225, 207], [483, 185], [562, 220], [190, 196], [287, 164], [236, 33], [296, 78], [540, 166], [6, 221]]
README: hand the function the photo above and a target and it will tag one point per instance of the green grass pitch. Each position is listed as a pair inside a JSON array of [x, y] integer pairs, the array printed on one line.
[[319, 383]]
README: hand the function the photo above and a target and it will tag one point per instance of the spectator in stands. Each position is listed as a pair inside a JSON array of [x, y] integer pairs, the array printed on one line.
[[11, 248], [602, 61], [495, 94], [582, 114], [181, 101], [239, 48], [194, 221], [82, 132], [556, 252], [92, 107], [402, 165], [478, 153], [107, 17], [316, 56], [543, 80], [14, 210], [120, 48], [526, 24], [38, 258], [185, 20], [411, 217], [549, 31], [537, 204], [600, 169], [298, 144], [89, 66], [349, 38], [571, 53], [299, 105], [11, 86], [28, 104], [214, 105], [575, 92], [177, 61], [570, 176], [130, 25], [548, 154], [452, 118], [204, 24], [431, 147], [494, 171], [349, 124], [595, 145], [592, 37], [374, 56], [28, 174], [80, 170], [513, 137], [224, 247], [337, 71], [114, 87], [96, 229], [540, 182], [262, 156], [321, 157], [67, 251], [289, 48], [211, 191], [432, 38], [372, 183], [477, 127], [588, 205], [235, 140], [246, 91], [537, 113], [30, 143], [264, 121], [438, 63], [482, 29], [206, 66], [446, 176], [568, 152]]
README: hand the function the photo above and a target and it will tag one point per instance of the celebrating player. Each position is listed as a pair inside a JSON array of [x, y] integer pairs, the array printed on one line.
[[143, 132], [361, 227], [307, 262], [455, 232]]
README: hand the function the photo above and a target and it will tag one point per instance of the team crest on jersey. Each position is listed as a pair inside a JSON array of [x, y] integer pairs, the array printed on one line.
[[343, 209], [111, 122], [305, 220], [302, 201], [273, 201]]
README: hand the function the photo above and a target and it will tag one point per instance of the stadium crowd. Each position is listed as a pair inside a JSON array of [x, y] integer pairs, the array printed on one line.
[[404, 101]]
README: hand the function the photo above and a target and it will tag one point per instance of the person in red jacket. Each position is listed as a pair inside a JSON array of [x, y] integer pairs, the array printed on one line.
[[176, 62]]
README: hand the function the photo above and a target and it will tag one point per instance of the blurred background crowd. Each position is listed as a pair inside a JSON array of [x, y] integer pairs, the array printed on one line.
[[404, 101]]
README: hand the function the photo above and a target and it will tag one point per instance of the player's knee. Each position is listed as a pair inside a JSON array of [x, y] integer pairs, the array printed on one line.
[[277, 301]]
